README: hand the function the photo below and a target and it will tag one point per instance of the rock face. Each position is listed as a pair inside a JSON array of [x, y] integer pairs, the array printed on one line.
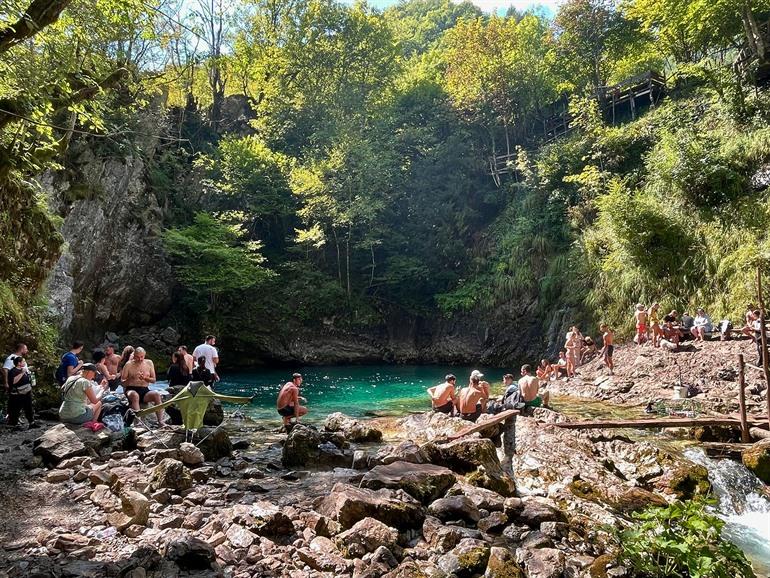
[[757, 459], [215, 446], [424, 482], [348, 504], [107, 199], [57, 444], [352, 429]]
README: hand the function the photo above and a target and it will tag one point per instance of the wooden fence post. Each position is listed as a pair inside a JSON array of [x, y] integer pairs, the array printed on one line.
[[763, 340], [745, 435]]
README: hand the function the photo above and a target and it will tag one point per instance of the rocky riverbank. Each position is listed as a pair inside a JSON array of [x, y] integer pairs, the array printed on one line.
[[329, 502], [644, 374]]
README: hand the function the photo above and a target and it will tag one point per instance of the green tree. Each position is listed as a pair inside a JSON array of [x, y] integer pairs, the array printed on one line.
[[210, 260]]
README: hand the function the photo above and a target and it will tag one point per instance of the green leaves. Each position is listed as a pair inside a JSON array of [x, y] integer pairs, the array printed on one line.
[[681, 540]]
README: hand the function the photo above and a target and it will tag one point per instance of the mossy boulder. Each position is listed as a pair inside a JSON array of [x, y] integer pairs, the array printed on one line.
[[757, 459], [689, 481], [585, 490], [599, 567], [502, 564], [469, 558], [496, 482], [715, 433]]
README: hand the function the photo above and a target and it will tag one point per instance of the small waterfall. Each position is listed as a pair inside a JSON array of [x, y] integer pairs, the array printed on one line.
[[742, 506]]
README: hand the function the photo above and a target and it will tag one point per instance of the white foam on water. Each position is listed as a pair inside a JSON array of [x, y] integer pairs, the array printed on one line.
[[745, 510]]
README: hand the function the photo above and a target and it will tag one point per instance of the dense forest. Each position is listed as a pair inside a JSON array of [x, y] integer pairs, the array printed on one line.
[[316, 164]]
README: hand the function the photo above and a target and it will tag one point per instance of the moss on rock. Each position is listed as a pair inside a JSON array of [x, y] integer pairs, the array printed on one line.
[[757, 459], [690, 481]]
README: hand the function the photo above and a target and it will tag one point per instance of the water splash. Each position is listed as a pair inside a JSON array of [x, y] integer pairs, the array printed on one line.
[[742, 506]]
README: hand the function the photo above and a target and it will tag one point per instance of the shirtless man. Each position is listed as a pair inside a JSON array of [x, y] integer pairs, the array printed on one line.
[[529, 385], [288, 400], [641, 324], [111, 361], [443, 395], [472, 401], [188, 358], [607, 346], [137, 375]]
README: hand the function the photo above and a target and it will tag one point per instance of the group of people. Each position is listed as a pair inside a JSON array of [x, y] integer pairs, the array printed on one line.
[[667, 331], [83, 384], [473, 400], [579, 350]]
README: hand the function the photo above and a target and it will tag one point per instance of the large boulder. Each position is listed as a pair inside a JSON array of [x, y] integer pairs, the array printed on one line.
[[406, 451], [190, 553], [134, 510], [535, 511], [366, 536], [475, 456], [424, 482], [213, 442], [455, 508], [482, 498], [352, 429], [757, 459], [348, 504], [263, 518], [443, 537], [469, 558], [171, 474], [57, 444], [541, 562], [306, 446], [502, 564]]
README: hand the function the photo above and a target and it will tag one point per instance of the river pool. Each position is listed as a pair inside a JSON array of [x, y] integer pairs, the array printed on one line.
[[357, 390]]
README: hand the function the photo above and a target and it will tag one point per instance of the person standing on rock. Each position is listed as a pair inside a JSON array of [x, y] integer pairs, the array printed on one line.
[[288, 403], [607, 346], [640, 317], [529, 385], [207, 350], [20, 351], [137, 375], [70, 364], [20, 393], [111, 362], [443, 396], [79, 402]]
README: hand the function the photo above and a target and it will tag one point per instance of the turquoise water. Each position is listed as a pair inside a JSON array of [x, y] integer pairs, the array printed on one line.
[[358, 391]]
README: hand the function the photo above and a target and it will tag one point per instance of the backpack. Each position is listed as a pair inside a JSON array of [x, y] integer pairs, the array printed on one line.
[[114, 406]]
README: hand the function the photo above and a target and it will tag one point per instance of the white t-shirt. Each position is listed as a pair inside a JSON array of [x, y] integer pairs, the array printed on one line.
[[9, 363], [209, 352]]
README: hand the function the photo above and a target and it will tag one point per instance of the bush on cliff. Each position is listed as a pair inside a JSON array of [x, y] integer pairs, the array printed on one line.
[[682, 540]]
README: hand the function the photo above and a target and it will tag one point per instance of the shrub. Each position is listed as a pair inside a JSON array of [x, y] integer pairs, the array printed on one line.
[[682, 540]]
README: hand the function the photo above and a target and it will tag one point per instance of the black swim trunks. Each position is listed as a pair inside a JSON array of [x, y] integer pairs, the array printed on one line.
[[141, 391], [286, 411], [610, 349], [446, 408], [471, 416]]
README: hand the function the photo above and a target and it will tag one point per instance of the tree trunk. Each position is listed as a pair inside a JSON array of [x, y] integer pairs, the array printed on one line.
[[753, 34], [347, 261], [37, 16], [339, 262]]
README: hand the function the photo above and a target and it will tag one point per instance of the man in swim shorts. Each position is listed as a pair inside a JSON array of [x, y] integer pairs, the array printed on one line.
[[443, 396], [472, 401], [288, 403], [529, 385], [641, 324], [607, 347], [137, 375]]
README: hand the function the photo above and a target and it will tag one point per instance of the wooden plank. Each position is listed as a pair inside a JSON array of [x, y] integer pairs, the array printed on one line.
[[653, 423], [477, 427]]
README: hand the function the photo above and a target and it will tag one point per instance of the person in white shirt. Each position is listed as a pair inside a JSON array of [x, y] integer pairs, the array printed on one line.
[[20, 351], [701, 326], [211, 354]]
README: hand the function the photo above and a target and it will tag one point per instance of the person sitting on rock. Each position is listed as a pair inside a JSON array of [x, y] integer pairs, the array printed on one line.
[[560, 367], [80, 404], [288, 403], [701, 325], [749, 319], [544, 370], [529, 385], [472, 401], [443, 395], [137, 375]]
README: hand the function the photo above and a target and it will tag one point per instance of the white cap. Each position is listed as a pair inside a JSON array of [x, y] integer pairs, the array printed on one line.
[[476, 373]]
